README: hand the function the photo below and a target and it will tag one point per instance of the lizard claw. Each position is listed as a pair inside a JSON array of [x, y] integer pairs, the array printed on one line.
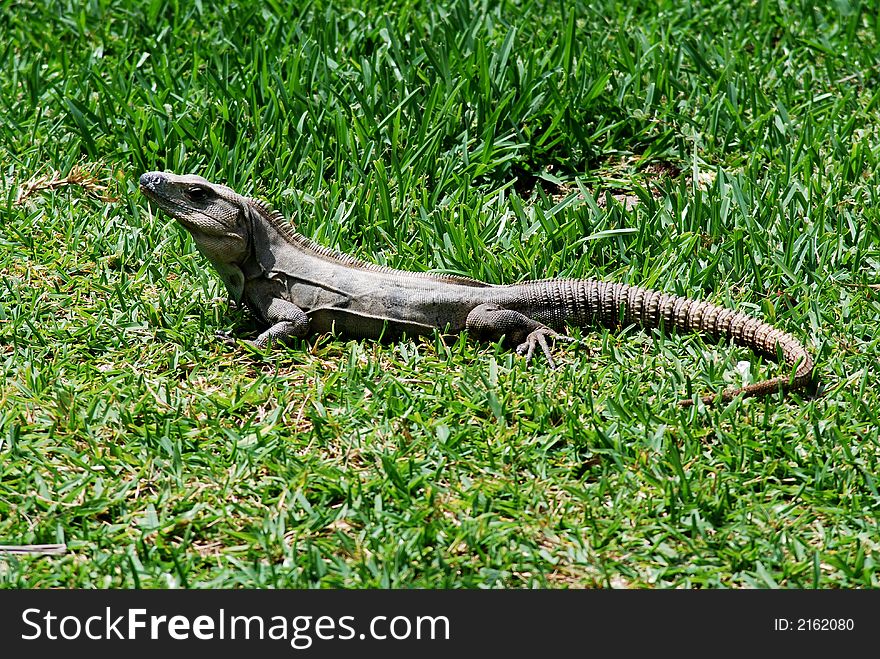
[[225, 337], [230, 340], [539, 337]]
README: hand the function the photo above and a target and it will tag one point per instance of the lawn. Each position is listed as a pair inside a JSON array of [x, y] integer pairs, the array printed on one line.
[[724, 150]]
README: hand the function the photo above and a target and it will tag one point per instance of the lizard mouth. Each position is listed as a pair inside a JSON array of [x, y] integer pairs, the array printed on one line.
[[148, 184], [162, 201], [151, 185], [171, 208], [150, 192]]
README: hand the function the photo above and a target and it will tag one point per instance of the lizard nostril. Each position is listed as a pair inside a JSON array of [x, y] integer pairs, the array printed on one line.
[[150, 179]]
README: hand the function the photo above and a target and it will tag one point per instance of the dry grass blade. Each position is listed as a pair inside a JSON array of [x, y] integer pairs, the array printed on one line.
[[40, 550], [77, 178]]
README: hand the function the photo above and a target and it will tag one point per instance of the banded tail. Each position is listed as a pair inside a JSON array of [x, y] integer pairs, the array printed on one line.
[[584, 302]]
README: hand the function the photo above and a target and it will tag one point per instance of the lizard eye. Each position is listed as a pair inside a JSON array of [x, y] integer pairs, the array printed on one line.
[[196, 194]]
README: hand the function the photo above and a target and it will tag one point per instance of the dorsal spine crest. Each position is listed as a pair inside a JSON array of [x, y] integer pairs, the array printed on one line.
[[287, 230]]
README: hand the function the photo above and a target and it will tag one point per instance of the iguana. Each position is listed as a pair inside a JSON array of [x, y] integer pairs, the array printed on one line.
[[296, 287]]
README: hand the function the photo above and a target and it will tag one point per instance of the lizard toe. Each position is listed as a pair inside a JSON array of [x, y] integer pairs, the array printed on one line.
[[538, 337], [225, 337]]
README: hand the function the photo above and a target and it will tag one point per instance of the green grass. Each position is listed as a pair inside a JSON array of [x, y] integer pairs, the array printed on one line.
[[503, 143]]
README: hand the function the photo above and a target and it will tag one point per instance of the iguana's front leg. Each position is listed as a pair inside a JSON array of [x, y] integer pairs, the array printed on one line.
[[287, 321], [490, 322]]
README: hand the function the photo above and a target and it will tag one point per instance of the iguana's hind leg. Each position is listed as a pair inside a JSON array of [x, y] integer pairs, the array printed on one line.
[[490, 322]]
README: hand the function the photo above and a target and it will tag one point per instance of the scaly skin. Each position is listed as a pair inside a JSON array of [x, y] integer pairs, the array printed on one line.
[[297, 287]]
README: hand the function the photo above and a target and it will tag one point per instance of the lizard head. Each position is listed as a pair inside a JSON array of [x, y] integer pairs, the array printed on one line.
[[215, 215]]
